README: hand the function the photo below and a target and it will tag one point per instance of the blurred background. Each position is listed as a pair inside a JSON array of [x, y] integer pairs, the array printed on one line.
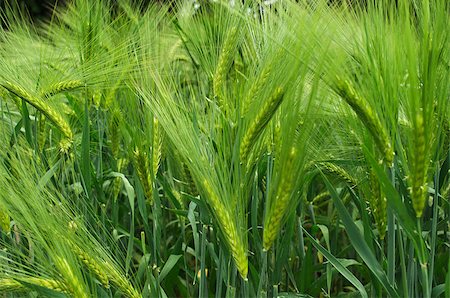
[[42, 9], [36, 8]]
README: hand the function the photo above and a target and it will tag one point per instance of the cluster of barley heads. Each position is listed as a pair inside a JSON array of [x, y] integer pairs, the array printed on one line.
[[239, 149]]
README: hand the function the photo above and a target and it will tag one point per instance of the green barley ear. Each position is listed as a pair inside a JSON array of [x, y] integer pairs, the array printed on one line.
[[339, 172], [142, 164], [368, 117], [378, 204], [226, 222], [117, 182], [419, 166], [41, 106], [14, 98], [5, 220], [19, 284], [74, 284], [225, 60], [259, 123], [61, 87], [318, 198], [259, 83], [273, 221], [446, 191], [41, 131], [113, 131], [120, 281], [10, 285], [157, 146], [190, 184], [91, 264]]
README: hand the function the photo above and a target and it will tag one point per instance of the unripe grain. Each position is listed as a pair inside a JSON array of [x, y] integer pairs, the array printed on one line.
[[377, 204], [61, 87], [419, 166], [259, 123], [91, 264], [227, 223], [142, 164], [74, 284], [12, 285], [43, 107], [368, 117], [225, 60], [338, 171], [157, 146], [273, 221]]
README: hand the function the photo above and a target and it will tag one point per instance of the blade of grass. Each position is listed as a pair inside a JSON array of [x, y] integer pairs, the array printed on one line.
[[338, 265], [358, 241]]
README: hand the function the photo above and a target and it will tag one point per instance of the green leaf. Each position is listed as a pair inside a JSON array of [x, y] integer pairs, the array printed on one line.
[[358, 242], [292, 295], [49, 174], [168, 266], [85, 165], [338, 265], [131, 197]]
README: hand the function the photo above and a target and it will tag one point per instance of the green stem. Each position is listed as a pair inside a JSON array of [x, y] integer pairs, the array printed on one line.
[[263, 274], [391, 237], [402, 264], [434, 219], [423, 263]]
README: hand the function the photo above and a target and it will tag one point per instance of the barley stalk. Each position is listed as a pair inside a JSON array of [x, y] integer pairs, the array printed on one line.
[[43, 107], [259, 123], [272, 223], [227, 223], [225, 59], [61, 87], [368, 117]]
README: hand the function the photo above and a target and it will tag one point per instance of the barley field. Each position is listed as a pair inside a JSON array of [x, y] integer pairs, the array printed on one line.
[[226, 149]]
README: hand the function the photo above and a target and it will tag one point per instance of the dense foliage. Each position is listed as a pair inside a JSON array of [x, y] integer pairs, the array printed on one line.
[[272, 149]]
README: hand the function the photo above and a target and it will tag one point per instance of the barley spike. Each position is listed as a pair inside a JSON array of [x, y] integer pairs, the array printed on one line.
[[91, 264], [43, 107], [368, 117], [142, 165], [224, 63], [259, 123], [61, 87], [272, 223], [419, 169], [229, 229]]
